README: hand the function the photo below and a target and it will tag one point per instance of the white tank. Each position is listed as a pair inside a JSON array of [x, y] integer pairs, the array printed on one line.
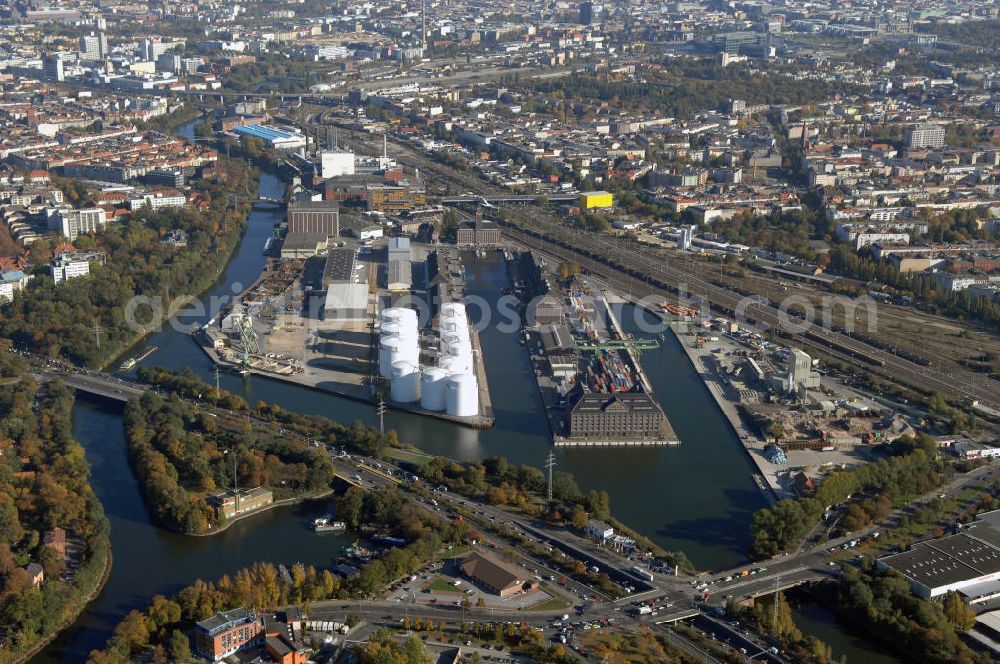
[[463, 354], [405, 383], [454, 365], [409, 347], [463, 396], [399, 315], [449, 341], [433, 388], [456, 309], [388, 352], [390, 329]]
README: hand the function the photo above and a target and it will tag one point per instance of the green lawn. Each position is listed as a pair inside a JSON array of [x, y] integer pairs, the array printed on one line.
[[554, 603], [440, 585]]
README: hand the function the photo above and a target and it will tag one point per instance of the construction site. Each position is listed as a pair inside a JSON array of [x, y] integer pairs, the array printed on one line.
[[796, 423]]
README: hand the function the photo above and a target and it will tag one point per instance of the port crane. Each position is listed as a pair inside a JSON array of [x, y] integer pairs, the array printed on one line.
[[620, 344], [248, 338]]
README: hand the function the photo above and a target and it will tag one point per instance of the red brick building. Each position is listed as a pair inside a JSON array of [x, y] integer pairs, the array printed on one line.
[[228, 632]]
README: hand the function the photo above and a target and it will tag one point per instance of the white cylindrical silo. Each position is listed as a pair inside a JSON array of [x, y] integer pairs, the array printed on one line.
[[390, 329], [454, 365], [449, 341], [434, 388], [405, 383], [409, 348], [463, 396], [398, 315], [456, 309], [388, 352], [390, 316]]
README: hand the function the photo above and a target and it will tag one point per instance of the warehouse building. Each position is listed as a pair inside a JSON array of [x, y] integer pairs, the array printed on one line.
[[478, 233], [592, 200], [561, 353], [303, 245], [340, 266], [399, 270], [346, 302], [277, 139], [497, 576], [546, 310], [603, 416], [319, 217], [967, 562]]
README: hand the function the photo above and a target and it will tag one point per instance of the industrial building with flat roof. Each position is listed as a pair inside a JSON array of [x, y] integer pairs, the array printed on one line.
[[346, 302], [303, 245], [320, 217], [278, 139], [399, 271], [339, 266], [967, 562]]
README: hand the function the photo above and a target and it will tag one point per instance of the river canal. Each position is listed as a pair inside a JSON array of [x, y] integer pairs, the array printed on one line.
[[697, 497]]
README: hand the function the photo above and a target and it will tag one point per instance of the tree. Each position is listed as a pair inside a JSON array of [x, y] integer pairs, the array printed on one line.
[[133, 630], [578, 518], [413, 651], [599, 505], [958, 612], [180, 646]]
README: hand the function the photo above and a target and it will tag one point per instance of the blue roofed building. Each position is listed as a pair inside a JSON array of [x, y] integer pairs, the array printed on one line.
[[278, 139]]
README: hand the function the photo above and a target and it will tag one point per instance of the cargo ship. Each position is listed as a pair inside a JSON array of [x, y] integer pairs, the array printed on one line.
[[132, 361]]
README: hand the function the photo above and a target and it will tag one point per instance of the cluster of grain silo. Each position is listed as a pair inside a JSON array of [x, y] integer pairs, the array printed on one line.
[[399, 353], [451, 386]]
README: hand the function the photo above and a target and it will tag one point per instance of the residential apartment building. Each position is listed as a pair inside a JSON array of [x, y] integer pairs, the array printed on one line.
[[68, 266], [925, 136], [226, 633], [73, 223]]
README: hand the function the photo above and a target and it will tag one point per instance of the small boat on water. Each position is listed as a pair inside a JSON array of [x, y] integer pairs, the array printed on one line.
[[324, 525]]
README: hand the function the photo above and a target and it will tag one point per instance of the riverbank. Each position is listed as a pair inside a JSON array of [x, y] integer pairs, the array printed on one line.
[[178, 304], [765, 479], [71, 619]]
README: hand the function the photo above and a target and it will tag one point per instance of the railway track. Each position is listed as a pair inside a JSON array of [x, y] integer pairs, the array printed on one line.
[[634, 268], [645, 277]]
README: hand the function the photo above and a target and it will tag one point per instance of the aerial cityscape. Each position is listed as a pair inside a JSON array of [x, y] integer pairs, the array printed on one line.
[[557, 332]]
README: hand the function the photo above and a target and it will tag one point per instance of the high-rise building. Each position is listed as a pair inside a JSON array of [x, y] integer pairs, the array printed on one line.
[[168, 62], [588, 12], [52, 68], [925, 136], [72, 223], [154, 48], [94, 47]]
